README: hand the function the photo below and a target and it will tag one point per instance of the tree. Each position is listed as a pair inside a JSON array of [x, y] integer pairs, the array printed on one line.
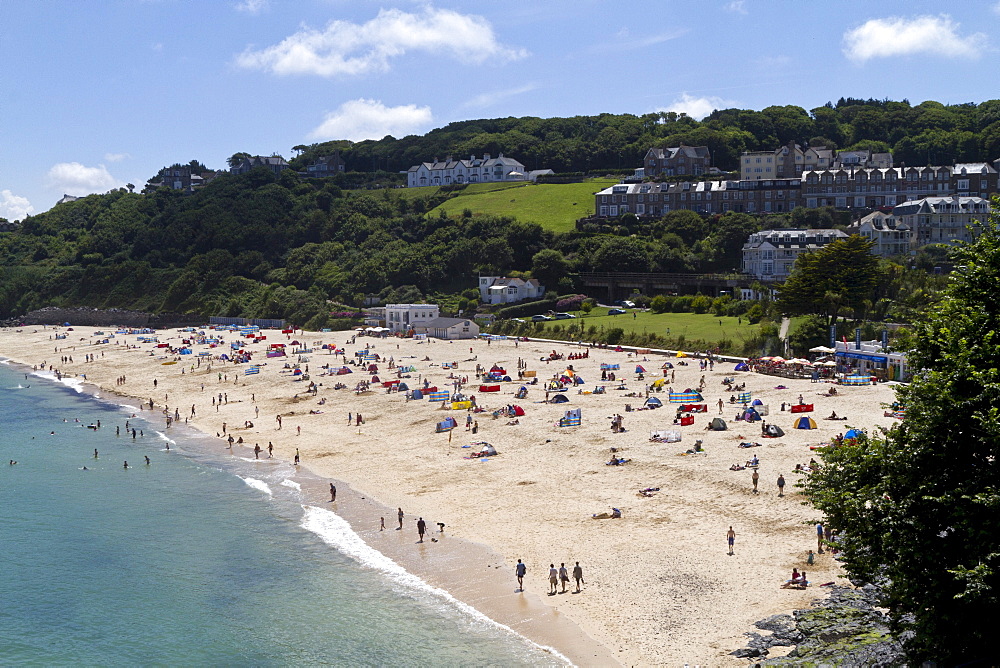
[[548, 266], [918, 507], [236, 158], [844, 273]]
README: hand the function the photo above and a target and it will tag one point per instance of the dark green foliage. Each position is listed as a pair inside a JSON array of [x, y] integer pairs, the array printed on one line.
[[842, 274], [919, 506]]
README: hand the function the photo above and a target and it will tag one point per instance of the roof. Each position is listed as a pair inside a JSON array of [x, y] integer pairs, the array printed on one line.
[[444, 323]]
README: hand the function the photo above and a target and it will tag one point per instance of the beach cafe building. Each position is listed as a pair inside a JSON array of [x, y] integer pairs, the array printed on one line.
[[870, 358]]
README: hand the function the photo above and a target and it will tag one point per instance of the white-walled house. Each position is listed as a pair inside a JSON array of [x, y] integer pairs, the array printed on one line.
[[502, 290], [770, 255], [404, 317], [474, 170]]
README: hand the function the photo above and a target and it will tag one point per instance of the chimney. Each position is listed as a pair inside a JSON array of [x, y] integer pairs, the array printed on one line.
[[486, 156]]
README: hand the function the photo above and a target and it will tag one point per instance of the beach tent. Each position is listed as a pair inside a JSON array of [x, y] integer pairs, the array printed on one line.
[[639, 369], [659, 382], [417, 394], [756, 402], [343, 371], [521, 393], [518, 411], [403, 387], [853, 433], [681, 353], [558, 399], [774, 431], [577, 379], [654, 402], [805, 422], [488, 450], [446, 425], [718, 424], [742, 366], [750, 415]]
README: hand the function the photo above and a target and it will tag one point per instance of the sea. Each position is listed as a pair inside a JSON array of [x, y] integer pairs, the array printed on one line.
[[194, 559]]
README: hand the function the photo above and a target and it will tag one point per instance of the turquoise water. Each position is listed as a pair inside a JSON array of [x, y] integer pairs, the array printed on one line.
[[189, 561]]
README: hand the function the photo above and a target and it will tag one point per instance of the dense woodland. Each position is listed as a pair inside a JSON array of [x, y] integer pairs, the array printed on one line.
[[262, 245], [928, 133]]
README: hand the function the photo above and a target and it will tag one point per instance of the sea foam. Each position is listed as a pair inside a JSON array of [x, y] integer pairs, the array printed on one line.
[[259, 485], [336, 532]]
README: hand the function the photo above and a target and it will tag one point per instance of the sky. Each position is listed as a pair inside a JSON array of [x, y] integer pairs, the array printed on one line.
[[95, 95]]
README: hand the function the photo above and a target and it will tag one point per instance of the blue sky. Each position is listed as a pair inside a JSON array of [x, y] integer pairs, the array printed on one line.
[[99, 94]]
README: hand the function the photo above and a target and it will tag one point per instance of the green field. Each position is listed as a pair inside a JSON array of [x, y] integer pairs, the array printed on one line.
[[692, 326], [554, 206]]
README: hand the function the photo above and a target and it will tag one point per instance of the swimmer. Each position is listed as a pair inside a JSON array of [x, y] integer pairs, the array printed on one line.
[[147, 459], [95, 453], [126, 464]]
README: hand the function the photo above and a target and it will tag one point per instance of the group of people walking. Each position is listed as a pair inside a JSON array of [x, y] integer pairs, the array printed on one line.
[[556, 576]]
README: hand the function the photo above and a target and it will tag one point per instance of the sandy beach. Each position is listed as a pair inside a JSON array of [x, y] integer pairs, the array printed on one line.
[[661, 587]]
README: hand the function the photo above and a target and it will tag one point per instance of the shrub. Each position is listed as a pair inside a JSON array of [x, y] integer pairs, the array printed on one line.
[[661, 303], [614, 335], [681, 304], [701, 304], [570, 303], [755, 314]]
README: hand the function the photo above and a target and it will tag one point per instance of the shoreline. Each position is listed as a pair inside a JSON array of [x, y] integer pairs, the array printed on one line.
[[660, 587]]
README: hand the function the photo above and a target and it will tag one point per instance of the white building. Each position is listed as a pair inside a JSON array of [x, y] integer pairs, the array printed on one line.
[[786, 162], [448, 328], [770, 255], [892, 237], [871, 358], [943, 220], [474, 170], [501, 290], [401, 318]]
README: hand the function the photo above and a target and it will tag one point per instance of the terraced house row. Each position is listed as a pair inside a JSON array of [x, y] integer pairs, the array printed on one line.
[[844, 188]]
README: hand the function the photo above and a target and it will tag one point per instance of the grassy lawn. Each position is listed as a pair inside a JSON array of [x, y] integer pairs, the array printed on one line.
[[690, 325], [554, 206]]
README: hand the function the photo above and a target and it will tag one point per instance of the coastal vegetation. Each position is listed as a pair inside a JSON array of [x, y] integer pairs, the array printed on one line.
[[918, 504]]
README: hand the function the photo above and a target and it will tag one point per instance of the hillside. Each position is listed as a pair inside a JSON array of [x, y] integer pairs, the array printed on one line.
[[554, 206]]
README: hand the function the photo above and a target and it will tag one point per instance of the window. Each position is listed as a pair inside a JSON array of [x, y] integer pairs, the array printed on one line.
[[963, 184]]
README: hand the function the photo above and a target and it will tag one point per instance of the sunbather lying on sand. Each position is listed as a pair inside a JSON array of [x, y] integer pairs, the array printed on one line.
[[613, 515]]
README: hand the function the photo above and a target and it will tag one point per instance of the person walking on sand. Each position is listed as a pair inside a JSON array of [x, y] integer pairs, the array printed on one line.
[[296, 456], [553, 579], [382, 525], [421, 529], [519, 571], [400, 515], [578, 576], [563, 576], [731, 539], [278, 419], [720, 406], [819, 537], [333, 492], [781, 485], [755, 477]]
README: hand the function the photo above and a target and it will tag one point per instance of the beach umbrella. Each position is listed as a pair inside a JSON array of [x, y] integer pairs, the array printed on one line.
[[822, 349]]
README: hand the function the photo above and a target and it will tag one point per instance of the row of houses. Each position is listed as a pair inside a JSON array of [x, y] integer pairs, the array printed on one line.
[[183, 178], [770, 255], [842, 188], [474, 170]]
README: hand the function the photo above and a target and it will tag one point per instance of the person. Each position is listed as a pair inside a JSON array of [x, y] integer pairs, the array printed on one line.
[[720, 406], [256, 450], [270, 450], [731, 539], [333, 494], [578, 575], [400, 515], [421, 528], [519, 571], [819, 537], [382, 525], [553, 579], [147, 459], [810, 558], [296, 456], [126, 464], [781, 485], [563, 576], [755, 477], [95, 453]]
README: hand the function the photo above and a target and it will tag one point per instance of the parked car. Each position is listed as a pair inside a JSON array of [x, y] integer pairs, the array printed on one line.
[[564, 316], [615, 311], [625, 303], [540, 318]]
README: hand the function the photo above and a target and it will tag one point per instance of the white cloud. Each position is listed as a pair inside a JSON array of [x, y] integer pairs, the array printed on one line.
[[14, 207], [491, 98], [72, 178], [251, 6], [898, 36], [698, 107], [996, 8], [350, 48], [370, 119], [116, 157], [736, 7]]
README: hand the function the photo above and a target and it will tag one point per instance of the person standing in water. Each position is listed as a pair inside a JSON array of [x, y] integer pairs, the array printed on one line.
[[333, 492]]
